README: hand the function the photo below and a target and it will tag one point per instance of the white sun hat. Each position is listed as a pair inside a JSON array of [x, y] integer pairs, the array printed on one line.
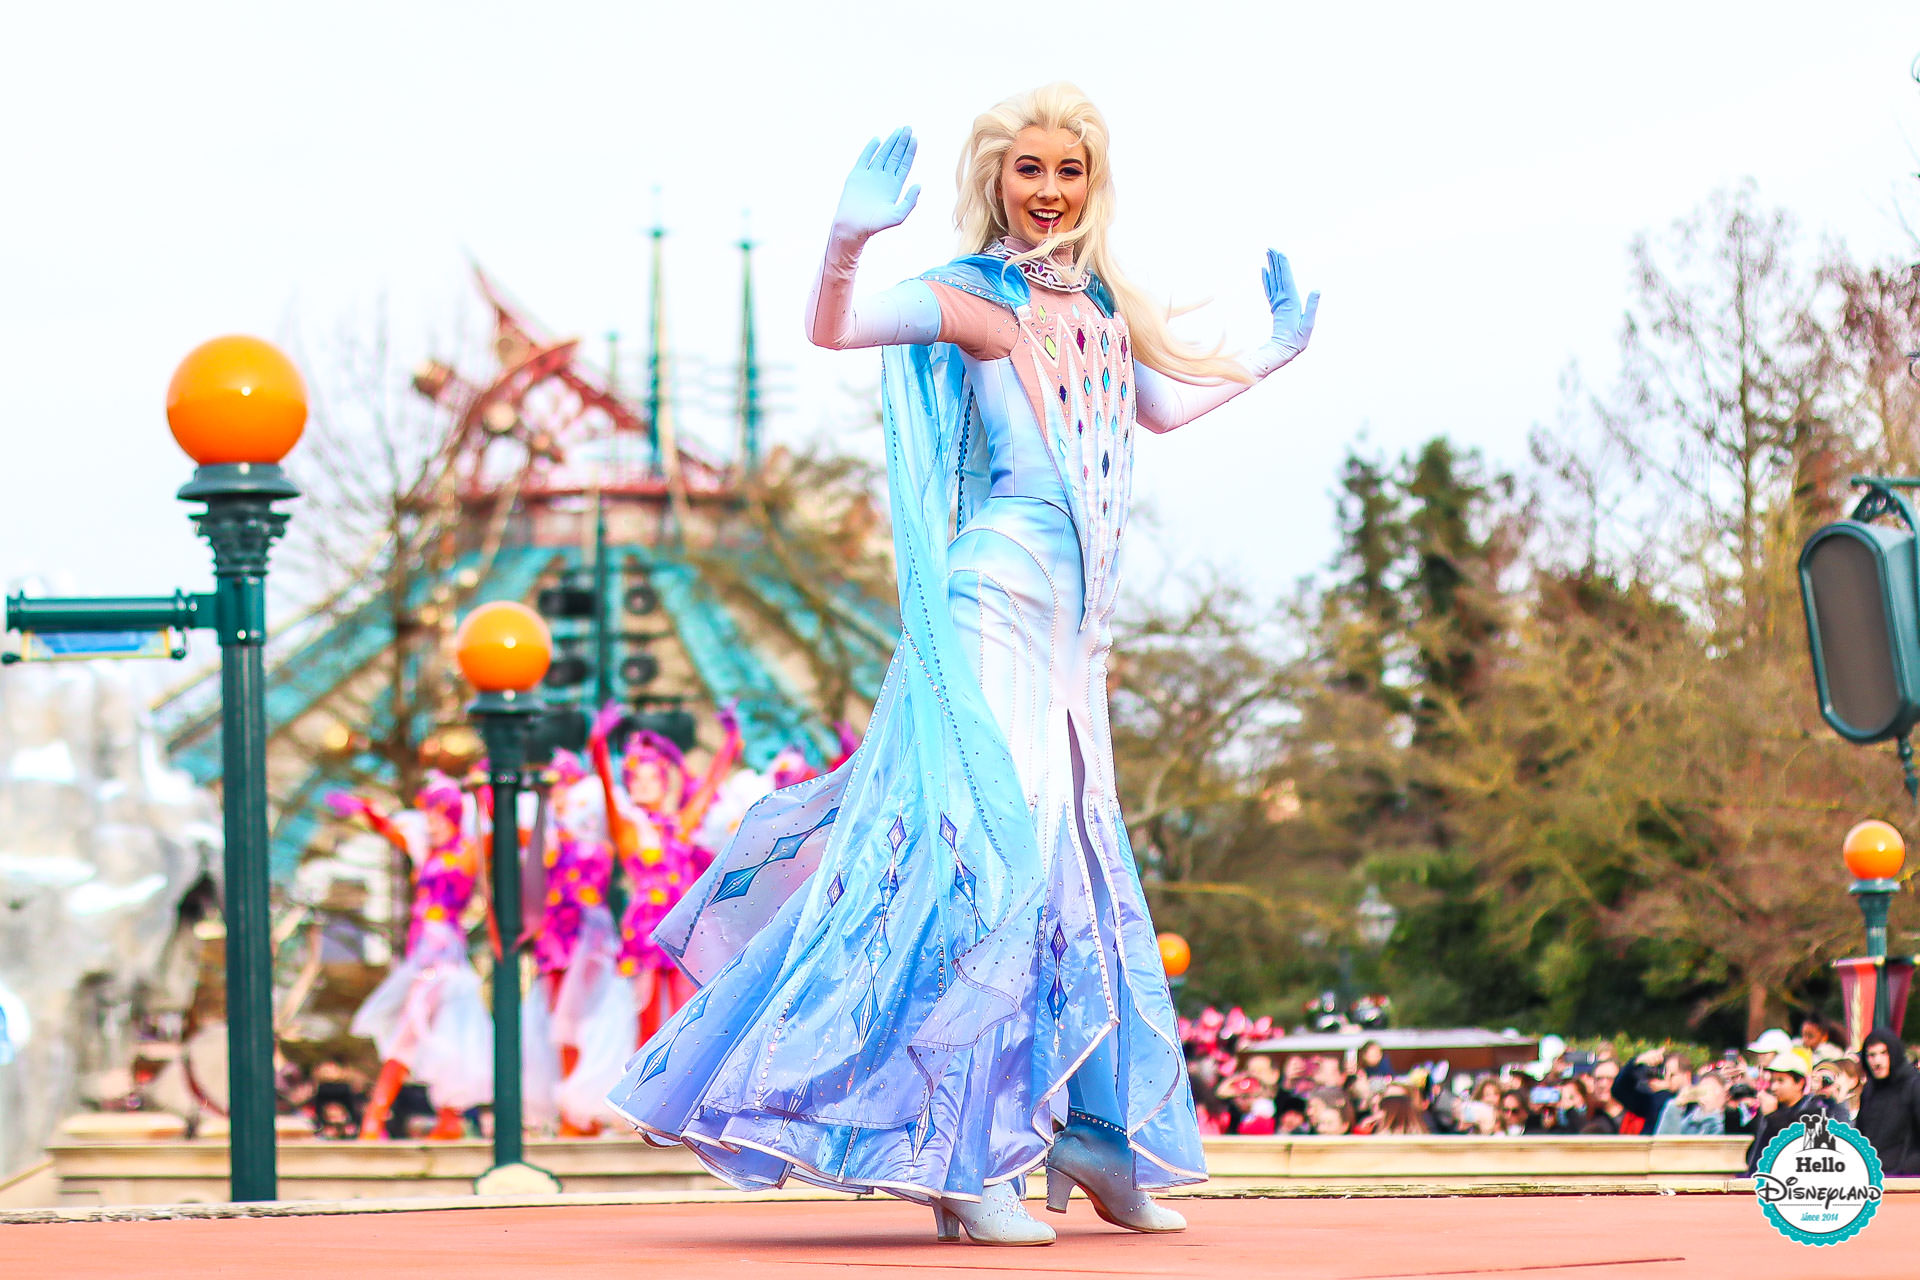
[[1551, 1047]]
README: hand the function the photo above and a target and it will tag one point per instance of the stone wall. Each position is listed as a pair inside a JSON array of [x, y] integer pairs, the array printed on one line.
[[100, 843], [97, 1165]]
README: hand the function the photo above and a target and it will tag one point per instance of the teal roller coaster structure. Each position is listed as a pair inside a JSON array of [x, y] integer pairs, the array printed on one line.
[[533, 456]]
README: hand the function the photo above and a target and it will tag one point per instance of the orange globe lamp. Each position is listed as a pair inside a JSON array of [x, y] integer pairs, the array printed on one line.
[[1175, 954], [236, 400], [504, 647], [1875, 850]]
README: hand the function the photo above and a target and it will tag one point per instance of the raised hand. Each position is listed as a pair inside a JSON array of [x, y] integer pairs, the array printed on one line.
[[1292, 325], [604, 722], [871, 201], [345, 805]]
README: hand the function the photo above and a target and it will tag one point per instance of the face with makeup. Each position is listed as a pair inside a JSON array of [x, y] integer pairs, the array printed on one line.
[[442, 831], [580, 809], [653, 782], [1043, 183]]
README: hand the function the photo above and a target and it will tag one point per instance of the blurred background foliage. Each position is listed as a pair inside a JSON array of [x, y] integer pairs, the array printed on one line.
[[1560, 718]]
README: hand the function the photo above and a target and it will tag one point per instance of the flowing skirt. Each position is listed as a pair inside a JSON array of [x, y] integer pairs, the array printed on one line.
[[429, 1013], [889, 998], [594, 1012]]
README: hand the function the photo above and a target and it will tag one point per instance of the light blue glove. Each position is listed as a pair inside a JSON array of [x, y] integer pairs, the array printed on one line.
[[1292, 326], [871, 200]]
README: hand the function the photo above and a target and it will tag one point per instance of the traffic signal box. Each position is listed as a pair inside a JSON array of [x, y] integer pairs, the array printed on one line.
[[572, 610], [1862, 597]]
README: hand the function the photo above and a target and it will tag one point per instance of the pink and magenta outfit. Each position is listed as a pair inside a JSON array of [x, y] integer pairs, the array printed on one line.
[[429, 1013], [577, 1037], [656, 807]]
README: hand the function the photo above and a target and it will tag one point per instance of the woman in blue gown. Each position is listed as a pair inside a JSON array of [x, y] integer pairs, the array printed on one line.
[[932, 970]]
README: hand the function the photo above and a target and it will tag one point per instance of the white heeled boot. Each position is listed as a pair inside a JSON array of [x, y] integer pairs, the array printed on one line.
[[997, 1217], [1101, 1165]]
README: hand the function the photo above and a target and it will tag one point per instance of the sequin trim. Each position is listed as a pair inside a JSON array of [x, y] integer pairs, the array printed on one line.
[[1041, 271]]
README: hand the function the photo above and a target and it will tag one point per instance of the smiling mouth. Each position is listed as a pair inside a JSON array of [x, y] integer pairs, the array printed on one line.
[[1045, 219]]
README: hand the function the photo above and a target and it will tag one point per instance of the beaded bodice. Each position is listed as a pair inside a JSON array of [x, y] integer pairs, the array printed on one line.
[[1076, 364]]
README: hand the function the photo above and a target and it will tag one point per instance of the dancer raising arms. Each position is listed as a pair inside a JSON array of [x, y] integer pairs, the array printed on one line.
[[653, 809], [428, 1018], [933, 970], [583, 1029]]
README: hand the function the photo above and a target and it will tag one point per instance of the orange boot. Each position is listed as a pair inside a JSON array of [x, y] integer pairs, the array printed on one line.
[[449, 1127], [386, 1087], [646, 985], [569, 1059]]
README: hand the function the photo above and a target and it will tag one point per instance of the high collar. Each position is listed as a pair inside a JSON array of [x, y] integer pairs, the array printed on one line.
[[1062, 254], [1057, 273]]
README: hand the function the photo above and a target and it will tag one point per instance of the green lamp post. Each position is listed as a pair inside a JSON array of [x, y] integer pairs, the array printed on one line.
[[237, 406], [504, 649], [1875, 852]]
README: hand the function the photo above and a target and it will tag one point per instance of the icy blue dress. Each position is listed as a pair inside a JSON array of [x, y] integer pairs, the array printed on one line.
[[912, 968]]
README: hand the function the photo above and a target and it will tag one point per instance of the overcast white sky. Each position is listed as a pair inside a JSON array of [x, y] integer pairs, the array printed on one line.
[[1460, 181]]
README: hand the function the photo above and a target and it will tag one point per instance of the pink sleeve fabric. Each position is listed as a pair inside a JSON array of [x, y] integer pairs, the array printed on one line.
[[984, 330], [904, 314], [915, 312], [1163, 403]]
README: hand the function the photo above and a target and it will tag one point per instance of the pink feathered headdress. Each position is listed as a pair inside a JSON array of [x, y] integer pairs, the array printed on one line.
[[441, 794], [568, 768], [647, 747], [788, 768]]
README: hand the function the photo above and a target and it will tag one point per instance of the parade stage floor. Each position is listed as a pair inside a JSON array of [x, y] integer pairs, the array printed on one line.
[[1359, 1239]]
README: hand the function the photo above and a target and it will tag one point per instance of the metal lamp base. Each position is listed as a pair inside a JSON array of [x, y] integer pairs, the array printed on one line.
[[516, 1179]]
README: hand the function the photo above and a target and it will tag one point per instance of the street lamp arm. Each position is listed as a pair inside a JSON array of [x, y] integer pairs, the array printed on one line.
[[181, 611]]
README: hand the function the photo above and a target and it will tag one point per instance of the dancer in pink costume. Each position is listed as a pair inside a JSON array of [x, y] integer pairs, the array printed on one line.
[[586, 1021], [745, 787], [428, 1018], [654, 809], [791, 768]]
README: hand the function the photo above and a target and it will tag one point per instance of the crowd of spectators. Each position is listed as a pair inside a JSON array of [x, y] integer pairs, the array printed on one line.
[[333, 1096], [1756, 1091]]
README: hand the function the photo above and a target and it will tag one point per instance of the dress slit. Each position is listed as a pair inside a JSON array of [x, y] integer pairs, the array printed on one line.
[[1094, 1089]]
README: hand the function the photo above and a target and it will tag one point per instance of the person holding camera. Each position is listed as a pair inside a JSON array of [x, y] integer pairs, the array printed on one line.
[[1646, 1096], [1697, 1111], [1516, 1116], [1555, 1109], [1743, 1106], [1787, 1076]]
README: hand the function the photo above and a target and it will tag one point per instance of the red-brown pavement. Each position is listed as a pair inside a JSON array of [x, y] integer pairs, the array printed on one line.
[[1578, 1237]]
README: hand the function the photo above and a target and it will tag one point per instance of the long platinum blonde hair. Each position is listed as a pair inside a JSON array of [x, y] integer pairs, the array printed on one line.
[[980, 214]]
